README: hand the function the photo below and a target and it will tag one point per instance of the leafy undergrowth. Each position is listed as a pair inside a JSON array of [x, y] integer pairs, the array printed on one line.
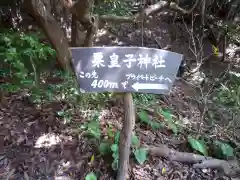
[[49, 129], [39, 143]]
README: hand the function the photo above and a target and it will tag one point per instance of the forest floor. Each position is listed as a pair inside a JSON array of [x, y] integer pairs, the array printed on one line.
[[36, 143]]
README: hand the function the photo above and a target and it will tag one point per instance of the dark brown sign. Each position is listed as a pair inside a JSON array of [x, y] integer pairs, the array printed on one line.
[[125, 69]]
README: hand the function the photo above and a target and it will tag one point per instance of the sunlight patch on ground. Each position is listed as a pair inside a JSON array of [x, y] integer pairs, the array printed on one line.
[[100, 33], [47, 140], [63, 167], [198, 77], [186, 121], [104, 113]]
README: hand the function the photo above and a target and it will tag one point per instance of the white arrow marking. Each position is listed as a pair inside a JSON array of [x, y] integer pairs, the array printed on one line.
[[138, 86]]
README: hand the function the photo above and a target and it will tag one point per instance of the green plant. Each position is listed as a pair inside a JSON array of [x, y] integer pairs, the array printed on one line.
[[144, 117], [223, 150], [24, 58], [168, 120], [111, 146], [218, 148], [66, 115], [140, 154], [198, 145], [115, 155], [91, 176], [106, 147], [92, 128], [228, 93], [23, 54], [144, 99]]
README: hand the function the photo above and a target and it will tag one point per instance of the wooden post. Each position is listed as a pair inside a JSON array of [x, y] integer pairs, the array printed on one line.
[[126, 136]]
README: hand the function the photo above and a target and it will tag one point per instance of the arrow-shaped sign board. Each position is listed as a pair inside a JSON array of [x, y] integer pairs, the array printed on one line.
[[125, 69], [144, 86]]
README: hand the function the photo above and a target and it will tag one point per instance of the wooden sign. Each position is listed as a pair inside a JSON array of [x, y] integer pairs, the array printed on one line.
[[125, 69]]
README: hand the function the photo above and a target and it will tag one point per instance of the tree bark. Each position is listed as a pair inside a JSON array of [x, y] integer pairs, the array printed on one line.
[[77, 36], [126, 137], [52, 30], [81, 12]]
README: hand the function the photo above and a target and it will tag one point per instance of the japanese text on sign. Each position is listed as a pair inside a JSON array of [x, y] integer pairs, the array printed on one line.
[[125, 69], [143, 61]]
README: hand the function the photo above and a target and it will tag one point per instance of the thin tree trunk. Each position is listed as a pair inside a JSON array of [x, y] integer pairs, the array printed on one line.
[[126, 136]]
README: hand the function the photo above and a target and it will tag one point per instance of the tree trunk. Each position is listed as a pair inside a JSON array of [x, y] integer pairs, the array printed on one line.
[[52, 30], [126, 137], [77, 36]]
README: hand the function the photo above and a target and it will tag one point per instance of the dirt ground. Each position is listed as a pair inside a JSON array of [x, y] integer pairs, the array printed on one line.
[[36, 144]]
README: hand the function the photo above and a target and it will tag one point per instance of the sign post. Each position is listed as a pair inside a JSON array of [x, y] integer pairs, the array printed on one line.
[[125, 69]]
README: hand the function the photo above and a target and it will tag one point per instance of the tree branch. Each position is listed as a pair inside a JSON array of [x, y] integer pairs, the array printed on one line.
[[116, 19], [81, 10], [155, 8], [230, 168], [91, 31], [151, 10]]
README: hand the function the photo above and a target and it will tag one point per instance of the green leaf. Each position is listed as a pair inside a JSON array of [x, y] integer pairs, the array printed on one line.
[[166, 114], [26, 81], [115, 164], [114, 147], [67, 119], [104, 148], [94, 129], [144, 116], [91, 176], [12, 50], [28, 52], [155, 125], [117, 137], [110, 132], [6, 39], [60, 113], [173, 127], [141, 155], [115, 155], [197, 145], [168, 117], [145, 119], [226, 149], [95, 117], [135, 140]]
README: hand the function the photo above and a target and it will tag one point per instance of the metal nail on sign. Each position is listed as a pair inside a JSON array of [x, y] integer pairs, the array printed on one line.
[[125, 69]]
